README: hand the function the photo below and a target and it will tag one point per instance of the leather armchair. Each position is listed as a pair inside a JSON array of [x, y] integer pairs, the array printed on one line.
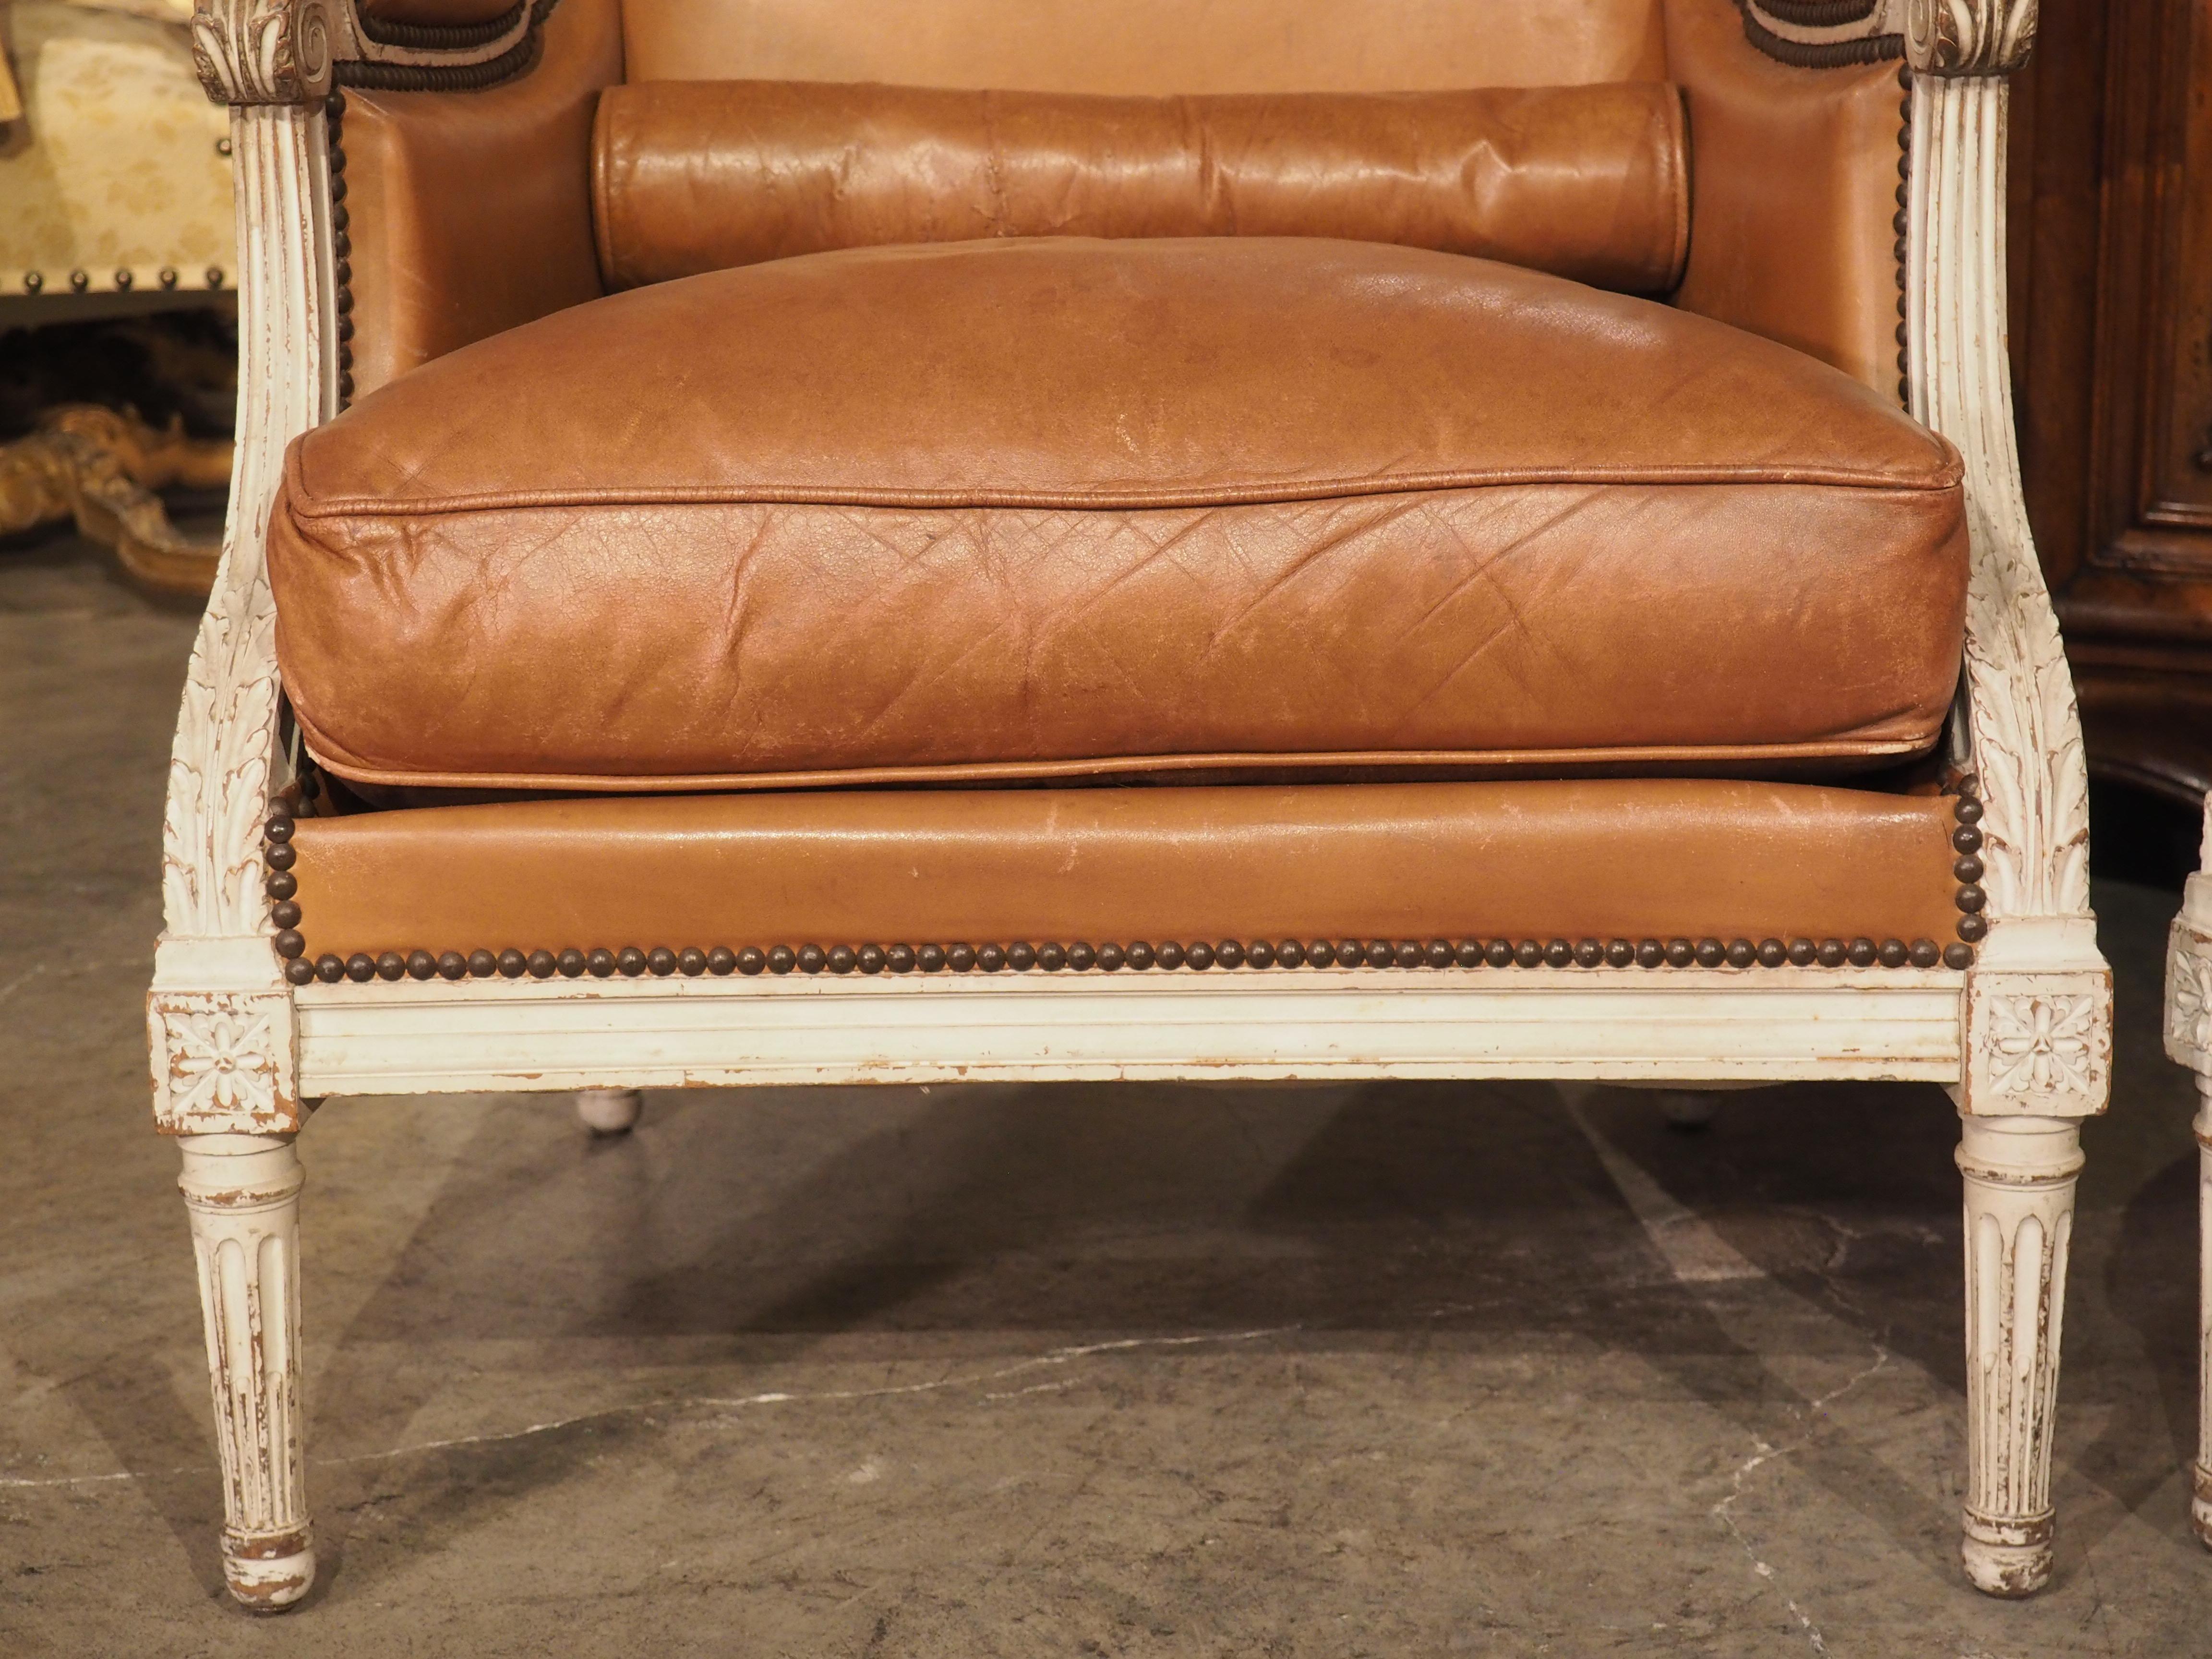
[[964, 539]]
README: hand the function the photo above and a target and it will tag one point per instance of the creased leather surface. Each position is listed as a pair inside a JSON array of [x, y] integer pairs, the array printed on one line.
[[1104, 506], [1632, 858], [1586, 182], [1150, 46], [471, 212], [1793, 193]]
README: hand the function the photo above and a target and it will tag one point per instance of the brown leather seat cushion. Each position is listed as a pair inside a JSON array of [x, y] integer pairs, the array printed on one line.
[[1586, 182], [1055, 507], [1632, 858]]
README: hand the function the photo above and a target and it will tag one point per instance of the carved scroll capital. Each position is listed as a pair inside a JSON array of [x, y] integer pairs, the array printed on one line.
[[224, 1062], [263, 51], [1968, 37], [2038, 1043]]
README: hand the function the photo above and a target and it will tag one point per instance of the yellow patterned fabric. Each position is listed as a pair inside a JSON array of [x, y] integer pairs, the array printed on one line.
[[115, 165]]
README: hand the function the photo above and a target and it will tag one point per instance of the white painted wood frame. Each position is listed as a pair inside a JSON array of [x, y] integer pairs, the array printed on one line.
[[2022, 1039]]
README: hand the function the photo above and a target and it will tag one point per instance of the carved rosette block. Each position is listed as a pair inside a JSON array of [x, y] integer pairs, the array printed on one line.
[[243, 1194], [2188, 993], [2019, 1176], [1968, 37], [2038, 1043], [223, 1062]]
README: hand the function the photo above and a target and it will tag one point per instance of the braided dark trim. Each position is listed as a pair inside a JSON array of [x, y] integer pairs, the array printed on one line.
[[1902, 224], [459, 37], [518, 59], [1824, 54], [341, 243], [1819, 14]]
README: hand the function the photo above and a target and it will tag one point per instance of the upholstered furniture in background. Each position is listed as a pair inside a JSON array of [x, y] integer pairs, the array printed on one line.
[[115, 201], [777, 541]]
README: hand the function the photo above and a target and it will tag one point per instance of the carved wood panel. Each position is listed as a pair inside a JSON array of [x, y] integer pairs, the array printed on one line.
[[2110, 249]]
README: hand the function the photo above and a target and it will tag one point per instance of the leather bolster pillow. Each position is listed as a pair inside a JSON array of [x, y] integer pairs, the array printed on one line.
[[1584, 182]]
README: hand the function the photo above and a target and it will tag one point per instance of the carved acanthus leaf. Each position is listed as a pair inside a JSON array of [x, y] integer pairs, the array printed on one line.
[[263, 51], [219, 764], [1968, 37], [2025, 731]]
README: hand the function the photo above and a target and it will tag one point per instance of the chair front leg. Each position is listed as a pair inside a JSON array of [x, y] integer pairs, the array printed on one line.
[[243, 1194], [2019, 1175]]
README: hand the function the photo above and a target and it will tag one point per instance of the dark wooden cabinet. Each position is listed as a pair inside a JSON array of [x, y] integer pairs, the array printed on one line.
[[2110, 232]]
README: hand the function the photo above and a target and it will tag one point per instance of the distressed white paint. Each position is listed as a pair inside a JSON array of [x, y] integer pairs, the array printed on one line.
[[2019, 1175], [242, 1193], [1758, 1024], [2039, 1000]]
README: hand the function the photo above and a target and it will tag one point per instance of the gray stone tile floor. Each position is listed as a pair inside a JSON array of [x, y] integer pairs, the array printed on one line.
[[1392, 1370]]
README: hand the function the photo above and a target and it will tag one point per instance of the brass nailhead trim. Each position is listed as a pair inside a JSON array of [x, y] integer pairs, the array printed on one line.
[[1970, 898], [341, 242], [1198, 956], [1902, 224]]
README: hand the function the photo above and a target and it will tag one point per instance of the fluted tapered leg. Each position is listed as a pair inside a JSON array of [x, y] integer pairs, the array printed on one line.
[[243, 1194], [2019, 1175]]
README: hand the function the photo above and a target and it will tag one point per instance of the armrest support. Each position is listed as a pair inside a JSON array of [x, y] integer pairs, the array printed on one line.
[[1800, 231], [2019, 730], [220, 1021]]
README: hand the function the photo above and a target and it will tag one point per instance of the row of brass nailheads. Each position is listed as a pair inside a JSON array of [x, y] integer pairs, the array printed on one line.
[[1902, 224], [341, 243], [631, 961], [35, 282], [1966, 841]]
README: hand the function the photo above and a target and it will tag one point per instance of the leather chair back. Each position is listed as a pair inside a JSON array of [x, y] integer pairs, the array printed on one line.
[[1151, 47]]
